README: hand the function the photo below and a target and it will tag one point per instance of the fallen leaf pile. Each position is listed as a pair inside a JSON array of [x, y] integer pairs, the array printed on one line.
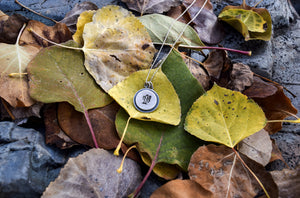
[[87, 68]]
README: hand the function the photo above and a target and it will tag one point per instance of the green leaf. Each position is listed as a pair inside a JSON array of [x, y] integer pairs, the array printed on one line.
[[158, 26], [168, 110], [57, 74], [252, 23], [224, 116], [177, 146]]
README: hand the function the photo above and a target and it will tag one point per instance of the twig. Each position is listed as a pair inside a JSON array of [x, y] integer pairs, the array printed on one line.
[[35, 12]]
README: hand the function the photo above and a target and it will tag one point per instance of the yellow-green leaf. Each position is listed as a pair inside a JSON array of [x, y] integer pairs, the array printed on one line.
[[84, 17], [116, 44], [252, 23], [168, 110], [224, 116]]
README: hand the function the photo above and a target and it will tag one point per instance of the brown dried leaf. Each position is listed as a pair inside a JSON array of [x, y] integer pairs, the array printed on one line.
[[71, 17], [219, 171], [206, 24], [10, 27], [93, 175], [181, 188], [257, 147], [151, 6], [273, 101], [53, 133], [199, 73], [215, 62], [241, 76], [73, 123], [177, 11], [19, 112], [58, 33], [288, 182]]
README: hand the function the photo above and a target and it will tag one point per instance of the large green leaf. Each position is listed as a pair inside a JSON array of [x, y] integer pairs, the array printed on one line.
[[224, 116], [177, 146], [158, 26], [57, 74]]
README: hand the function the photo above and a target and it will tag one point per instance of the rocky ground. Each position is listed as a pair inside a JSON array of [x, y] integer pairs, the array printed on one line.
[[27, 165]]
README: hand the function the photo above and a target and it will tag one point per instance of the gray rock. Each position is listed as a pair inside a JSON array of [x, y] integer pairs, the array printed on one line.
[[288, 144], [27, 165], [53, 9]]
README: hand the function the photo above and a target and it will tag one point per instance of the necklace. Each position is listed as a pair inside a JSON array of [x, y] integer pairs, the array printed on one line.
[[146, 100]]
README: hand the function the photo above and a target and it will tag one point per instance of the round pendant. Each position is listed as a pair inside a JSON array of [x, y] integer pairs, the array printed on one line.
[[146, 100]]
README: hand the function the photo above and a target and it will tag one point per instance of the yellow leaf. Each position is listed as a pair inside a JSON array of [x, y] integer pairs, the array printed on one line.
[[85, 17], [224, 116], [168, 110], [116, 44], [253, 21]]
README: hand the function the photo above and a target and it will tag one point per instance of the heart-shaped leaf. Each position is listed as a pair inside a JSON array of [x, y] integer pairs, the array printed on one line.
[[168, 110], [58, 74], [224, 116], [177, 146], [116, 44]]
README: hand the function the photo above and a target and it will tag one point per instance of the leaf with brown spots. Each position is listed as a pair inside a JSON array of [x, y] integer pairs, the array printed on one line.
[[219, 171], [273, 101], [240, 77], [58, 33]]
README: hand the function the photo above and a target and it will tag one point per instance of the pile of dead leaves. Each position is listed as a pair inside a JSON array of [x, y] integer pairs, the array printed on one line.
[[86, 86]]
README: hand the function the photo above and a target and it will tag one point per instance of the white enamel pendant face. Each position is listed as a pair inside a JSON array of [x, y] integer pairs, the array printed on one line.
[[146, 100]]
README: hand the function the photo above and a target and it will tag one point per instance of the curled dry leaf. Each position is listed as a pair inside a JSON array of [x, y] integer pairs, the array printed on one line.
[[168, 110], [71, 17], [215, 62], [17, 113], [288, 182], [218, 170], [257, 147], [116, 44], [252, 23], [10, 27], [276, 153], [53, 133], [224, 116], [151, 6], [181, 188], [240, 77], [199, 73], [58, 33], [206, 24], [93, 174], [273, 101], [13, 82]]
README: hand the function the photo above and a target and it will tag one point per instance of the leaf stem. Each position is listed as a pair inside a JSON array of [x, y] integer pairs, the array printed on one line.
[[139, 188], [35, 12], [248, 53], [86, 115], [116, 152], [253, 174]]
